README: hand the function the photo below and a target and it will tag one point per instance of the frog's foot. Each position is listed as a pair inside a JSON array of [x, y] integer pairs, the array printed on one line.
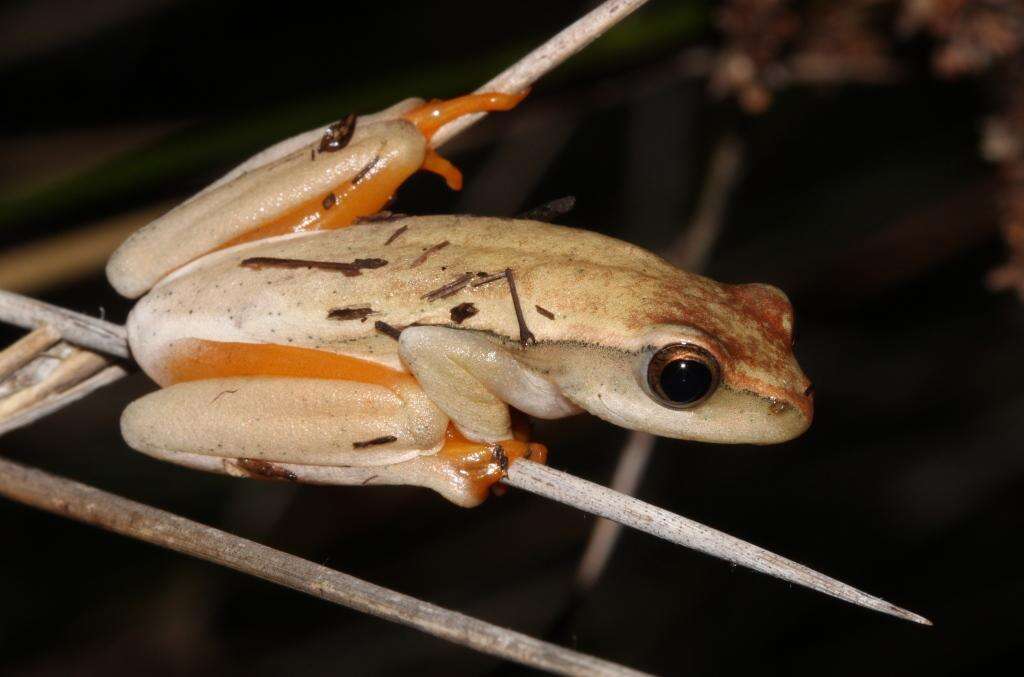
[[477, 466], [433, 115]]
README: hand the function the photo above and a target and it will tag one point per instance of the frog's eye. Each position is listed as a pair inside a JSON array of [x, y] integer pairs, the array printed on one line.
[[682, 374]]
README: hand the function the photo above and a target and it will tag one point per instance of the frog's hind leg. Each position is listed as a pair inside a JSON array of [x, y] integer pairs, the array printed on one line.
[[307, 186], [318, 431], [305, 429]]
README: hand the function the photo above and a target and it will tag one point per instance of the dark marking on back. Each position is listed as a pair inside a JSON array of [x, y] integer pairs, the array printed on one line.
[[338, 134], [222, 393], [545, 312], [395, 235], [365, 171], [428, 251], [348, 269], [463, 312], [449, 288], [350, 313], [387, 329], [486, 278], [330, 200], [376, 441], [526, 336]]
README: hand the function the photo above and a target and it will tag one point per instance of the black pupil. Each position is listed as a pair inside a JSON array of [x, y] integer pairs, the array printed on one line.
[[685, 381]]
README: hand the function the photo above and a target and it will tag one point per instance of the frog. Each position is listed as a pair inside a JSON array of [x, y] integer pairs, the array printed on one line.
[[300, 333]]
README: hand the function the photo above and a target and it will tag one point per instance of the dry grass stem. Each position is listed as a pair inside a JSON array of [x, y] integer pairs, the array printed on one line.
[[631, 512], [120, 515], [546, 58], [77, 367], [26, 349], [77, 328], [63, 399]]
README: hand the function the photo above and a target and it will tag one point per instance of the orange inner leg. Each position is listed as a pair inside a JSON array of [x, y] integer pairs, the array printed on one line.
[[481, 465], [478, 464], [372, 192], [433, 115], [352, 201], [198, 359]]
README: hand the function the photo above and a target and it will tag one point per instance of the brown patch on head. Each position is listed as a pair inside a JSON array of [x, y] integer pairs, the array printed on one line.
[[769, 306], [752, 326]]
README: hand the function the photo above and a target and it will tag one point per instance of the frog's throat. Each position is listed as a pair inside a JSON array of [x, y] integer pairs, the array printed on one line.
[[371, 189], [473, 466]]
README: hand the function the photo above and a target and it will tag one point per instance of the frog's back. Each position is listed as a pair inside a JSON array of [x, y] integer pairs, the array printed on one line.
[[341, 290]]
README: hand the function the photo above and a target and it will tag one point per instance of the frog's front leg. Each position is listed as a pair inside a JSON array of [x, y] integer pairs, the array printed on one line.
[[474, 380]]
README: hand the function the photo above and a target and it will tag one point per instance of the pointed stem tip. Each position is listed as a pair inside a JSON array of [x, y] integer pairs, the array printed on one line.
[[631, 512]]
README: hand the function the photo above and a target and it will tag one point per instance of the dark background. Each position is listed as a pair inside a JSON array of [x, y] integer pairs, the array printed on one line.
[[869, 205]]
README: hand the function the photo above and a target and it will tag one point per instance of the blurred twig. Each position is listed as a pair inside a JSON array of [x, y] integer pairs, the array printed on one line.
[[58, 401], [71, 255], [26, 349], [75, 368]]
